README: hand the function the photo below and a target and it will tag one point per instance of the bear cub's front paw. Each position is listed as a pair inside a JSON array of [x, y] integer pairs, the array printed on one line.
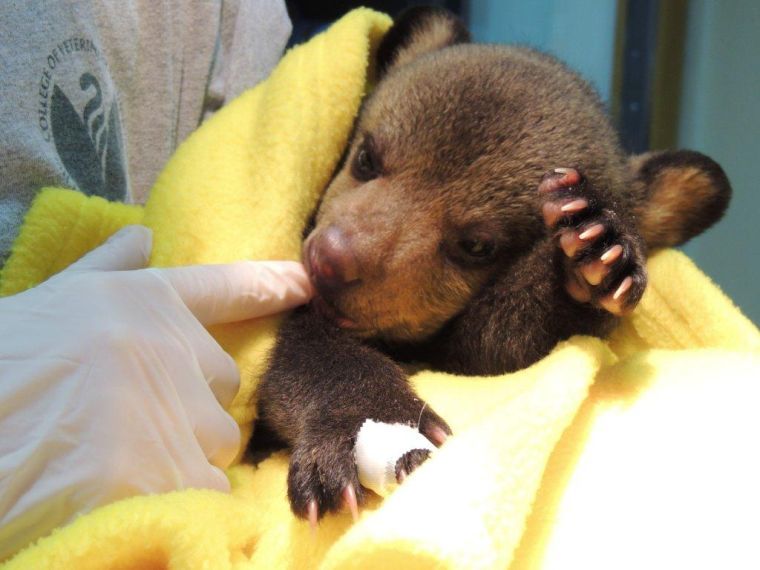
[[322, 478], [603, 258], [330, 466]]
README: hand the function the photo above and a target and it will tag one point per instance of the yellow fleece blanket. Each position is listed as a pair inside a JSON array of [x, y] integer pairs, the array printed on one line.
[[636, 452]]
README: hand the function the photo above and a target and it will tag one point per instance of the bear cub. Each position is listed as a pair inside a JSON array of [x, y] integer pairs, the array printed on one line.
[[483, 212]]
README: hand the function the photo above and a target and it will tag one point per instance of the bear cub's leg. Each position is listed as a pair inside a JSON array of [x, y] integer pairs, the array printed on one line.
[[321, 386], [603, 256]]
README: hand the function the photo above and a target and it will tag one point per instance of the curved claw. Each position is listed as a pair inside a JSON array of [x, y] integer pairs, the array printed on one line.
[[436, 435], [615, 303], [553, 212], [559, 178], [349, 499], [312, 514]]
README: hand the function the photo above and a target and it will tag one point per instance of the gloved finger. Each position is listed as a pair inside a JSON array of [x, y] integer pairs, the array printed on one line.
[[129, 248], [216, 431], [219, 437], [211, 477], [219, 480], [205, 383], [217, 367], [222, 376], [188, 466], [239, 291]]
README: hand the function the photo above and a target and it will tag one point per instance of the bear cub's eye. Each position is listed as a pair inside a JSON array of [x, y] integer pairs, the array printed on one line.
[[478, 248], [473, 245], [366, 165]]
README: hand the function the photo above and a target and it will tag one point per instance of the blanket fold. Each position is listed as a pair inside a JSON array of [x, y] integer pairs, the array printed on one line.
[[601, 451]]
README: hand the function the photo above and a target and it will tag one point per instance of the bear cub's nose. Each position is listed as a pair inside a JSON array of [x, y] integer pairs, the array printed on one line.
[[330, 260]]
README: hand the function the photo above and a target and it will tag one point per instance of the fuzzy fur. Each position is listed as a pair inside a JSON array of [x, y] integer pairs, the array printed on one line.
[[449, 157]]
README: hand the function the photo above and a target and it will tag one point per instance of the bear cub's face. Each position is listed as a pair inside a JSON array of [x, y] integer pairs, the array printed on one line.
[[437, 198], [438, 189], [407, 231]]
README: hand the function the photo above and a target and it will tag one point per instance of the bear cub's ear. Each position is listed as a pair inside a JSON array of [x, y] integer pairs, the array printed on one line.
[[682, 194], [418, 31]]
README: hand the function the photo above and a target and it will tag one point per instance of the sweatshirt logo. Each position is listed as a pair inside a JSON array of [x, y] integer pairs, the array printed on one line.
[[81, 116]]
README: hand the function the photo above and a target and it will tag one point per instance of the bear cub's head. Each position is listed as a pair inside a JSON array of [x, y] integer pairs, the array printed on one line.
[[436, 195]]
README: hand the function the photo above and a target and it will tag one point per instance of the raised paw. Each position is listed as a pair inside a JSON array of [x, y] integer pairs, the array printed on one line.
[[322, 478], [602, 257]]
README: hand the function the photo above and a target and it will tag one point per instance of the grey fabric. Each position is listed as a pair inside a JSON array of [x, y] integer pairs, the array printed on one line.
[[96, 95]]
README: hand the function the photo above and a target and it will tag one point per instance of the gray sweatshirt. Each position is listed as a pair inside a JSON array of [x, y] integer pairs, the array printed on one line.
[[96, 95]]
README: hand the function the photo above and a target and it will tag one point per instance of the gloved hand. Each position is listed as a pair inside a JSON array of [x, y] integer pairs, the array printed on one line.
[[110, 386]]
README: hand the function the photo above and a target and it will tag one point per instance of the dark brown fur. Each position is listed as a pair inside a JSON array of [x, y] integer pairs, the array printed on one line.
[[450, 152]]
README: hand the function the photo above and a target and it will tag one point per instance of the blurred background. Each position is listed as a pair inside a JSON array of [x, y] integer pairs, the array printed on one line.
[[674, 74]]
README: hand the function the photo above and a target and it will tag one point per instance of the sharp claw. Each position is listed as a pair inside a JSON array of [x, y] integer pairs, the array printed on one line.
[[623, 288], [611, 255], [567, 177], [553, 212], [574, 206], [570, 176], [312, 514], [437, 435], [594, 231], [614, 303], [349, 499]]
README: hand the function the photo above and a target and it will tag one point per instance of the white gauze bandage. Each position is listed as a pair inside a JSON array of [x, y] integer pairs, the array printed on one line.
[[378, 447]]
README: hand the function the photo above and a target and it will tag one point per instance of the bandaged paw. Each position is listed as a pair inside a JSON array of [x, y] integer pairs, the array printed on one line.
[[379, 446]]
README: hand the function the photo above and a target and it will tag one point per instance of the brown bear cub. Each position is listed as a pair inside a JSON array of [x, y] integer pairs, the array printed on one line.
[[483, 212]]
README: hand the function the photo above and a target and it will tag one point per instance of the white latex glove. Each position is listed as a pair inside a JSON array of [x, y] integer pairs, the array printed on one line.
[[110, 386]]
